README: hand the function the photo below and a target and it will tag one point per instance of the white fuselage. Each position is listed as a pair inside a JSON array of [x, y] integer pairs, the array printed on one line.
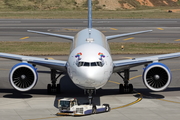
[[90, 64]]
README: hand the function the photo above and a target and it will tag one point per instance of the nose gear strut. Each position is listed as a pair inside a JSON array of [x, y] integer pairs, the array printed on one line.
[[90, 97]]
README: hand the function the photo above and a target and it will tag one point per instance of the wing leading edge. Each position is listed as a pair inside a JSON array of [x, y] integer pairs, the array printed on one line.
[[52, 34], [126, 34], [126, 64], [52, 64]]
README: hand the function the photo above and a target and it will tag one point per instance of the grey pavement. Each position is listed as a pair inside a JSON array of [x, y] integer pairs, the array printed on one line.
[[37, 105], [164, 30]]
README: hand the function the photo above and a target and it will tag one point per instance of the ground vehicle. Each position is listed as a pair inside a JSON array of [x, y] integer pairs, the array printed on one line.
[[70, 106]]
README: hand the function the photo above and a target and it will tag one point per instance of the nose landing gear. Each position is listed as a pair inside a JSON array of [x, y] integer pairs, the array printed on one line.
[[90, 97]]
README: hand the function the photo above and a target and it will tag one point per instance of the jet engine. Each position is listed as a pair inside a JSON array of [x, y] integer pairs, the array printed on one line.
[[23, 76], [157, 76]]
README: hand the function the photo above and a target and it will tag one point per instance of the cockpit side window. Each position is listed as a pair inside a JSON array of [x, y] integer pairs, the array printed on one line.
[[80, 64], [100, 64]]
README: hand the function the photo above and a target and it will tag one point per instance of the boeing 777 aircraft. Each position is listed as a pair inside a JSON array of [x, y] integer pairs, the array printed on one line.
[[90, 64]]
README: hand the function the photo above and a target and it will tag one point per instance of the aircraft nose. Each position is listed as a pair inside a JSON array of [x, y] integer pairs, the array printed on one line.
[[93, 77]]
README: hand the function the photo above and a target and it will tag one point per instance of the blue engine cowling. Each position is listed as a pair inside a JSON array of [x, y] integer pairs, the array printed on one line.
[[23, 76], [157, 76]]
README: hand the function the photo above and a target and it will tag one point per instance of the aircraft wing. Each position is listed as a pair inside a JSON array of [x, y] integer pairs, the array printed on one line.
[[126, 34], [52, 64], [52, 34], [126, 64]]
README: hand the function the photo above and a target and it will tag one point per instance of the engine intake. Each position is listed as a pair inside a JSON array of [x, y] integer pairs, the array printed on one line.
[[157, 76], [23, 77]]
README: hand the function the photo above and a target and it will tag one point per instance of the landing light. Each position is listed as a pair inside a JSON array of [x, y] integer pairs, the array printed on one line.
[[90, 40]]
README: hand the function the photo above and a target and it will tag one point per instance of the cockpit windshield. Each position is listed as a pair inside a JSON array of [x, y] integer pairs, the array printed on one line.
[[89, 64]]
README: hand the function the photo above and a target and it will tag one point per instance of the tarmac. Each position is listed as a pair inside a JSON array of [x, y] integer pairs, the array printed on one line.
[[139, 105]]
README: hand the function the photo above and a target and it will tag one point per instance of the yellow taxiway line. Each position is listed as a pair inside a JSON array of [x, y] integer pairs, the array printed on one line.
[[113, 29], [128, 57], [128, 38], [135, 77], [169, 101], [24, 38], [113, 82], [177, 40], [138, 100], [160, 28]]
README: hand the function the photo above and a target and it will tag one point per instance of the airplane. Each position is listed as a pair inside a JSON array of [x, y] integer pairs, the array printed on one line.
[[90, 64]]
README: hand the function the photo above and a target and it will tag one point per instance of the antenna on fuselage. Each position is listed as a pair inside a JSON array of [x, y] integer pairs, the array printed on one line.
[[89, 16]]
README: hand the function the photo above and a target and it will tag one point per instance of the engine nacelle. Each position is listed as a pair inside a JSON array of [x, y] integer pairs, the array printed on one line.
[[157, 76], [23, 77]]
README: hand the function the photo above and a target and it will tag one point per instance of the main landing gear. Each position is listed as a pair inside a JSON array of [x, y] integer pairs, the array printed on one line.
[[53, 87], [126, 87]]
